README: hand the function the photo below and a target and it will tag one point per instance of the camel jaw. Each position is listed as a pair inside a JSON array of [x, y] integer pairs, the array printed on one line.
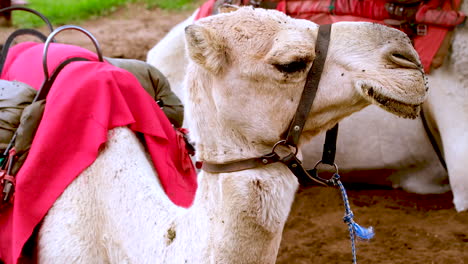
[[399, 108]]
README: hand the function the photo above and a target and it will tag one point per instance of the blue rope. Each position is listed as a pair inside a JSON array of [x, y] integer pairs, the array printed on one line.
[[354, 228]]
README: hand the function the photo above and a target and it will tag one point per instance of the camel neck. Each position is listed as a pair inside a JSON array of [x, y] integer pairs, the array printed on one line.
[[246, 212]]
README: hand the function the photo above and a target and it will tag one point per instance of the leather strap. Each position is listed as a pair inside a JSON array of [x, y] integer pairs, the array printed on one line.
[[432, 139], [307, 98], [329, 147], [311, 86], [305, 177], [240, 165]]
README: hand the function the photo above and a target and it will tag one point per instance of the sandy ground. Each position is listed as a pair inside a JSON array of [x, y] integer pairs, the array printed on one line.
[[409, 228]]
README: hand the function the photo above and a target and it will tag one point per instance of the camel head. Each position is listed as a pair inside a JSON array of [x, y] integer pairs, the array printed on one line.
[[248, 68]]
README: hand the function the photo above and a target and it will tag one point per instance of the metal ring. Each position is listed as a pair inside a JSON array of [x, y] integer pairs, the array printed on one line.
[[13, 8], [320, 162], [63, 28], [283, 142]]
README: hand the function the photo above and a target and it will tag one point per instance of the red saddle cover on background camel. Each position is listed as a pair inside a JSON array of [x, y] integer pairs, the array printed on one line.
[[86, 100], [439, 17]]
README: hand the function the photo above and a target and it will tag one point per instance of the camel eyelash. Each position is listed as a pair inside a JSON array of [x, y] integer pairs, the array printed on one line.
[[295, 66]]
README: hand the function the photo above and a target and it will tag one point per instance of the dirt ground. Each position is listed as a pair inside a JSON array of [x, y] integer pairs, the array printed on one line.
[[409, 228]]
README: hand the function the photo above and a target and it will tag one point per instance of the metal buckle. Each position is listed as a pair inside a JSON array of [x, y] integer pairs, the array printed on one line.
[[6, 180], [421, 30]]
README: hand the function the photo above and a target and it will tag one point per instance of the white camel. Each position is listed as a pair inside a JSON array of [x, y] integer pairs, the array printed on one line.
[[239, 101], [392, 151]]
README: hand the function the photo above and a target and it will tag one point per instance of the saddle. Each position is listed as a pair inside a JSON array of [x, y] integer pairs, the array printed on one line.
[[156, 84], [22, 107]]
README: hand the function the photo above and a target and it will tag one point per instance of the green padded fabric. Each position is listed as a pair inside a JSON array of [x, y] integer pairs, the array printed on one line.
[[156, 84]]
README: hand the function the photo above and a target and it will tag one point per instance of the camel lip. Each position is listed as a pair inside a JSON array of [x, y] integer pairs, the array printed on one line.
[[407, 61], [399, 108]]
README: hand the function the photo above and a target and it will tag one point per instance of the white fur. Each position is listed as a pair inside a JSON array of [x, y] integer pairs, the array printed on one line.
[[238, 105], [374, 140]]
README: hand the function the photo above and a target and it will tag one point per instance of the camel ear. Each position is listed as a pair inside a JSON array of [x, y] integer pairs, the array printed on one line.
[[206, 48], [226, 8]]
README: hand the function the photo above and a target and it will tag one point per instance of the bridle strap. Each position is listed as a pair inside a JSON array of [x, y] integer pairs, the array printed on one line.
[[296, 127], [329, 147], [246, 164], [311, 86], [432, 139]]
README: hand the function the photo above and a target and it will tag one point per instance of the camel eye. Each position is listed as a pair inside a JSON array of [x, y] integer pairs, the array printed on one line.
[[295, 66]]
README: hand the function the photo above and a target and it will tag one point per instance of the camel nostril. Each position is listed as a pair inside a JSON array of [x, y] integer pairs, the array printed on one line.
[[405, 60]]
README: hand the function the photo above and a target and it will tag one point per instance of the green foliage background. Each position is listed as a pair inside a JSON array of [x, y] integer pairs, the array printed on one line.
[[61, 12]]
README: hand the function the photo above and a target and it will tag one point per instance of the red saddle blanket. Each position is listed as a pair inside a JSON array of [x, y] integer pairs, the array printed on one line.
[[86, 100], [438, 16]]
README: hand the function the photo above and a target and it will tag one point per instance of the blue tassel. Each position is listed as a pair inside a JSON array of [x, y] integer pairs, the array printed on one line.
[[362, 232], [354, 228], [359, 231]]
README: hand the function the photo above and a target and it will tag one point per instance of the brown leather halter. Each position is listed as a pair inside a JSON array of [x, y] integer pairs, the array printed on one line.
[[295, 129]]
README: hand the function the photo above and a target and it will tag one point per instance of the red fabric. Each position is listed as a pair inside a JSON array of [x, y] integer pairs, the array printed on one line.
[[205, 10], [86, 100], [429, 13], [439, 21], [374, 11], [443, 18]]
